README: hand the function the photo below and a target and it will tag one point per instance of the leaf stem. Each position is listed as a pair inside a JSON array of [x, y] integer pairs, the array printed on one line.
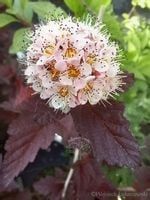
[[75, 158]]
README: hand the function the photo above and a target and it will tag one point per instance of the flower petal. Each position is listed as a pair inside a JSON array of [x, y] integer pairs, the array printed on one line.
[[86, 69], [61, 66], [94, 98], [73, 102], [47, 82], [101, 66], [46, 93], [58, 102], [79, 83], [31, 70], [65, 80], [82, 97], [74, 61], [42, 60], [113, 70], [37, 86]]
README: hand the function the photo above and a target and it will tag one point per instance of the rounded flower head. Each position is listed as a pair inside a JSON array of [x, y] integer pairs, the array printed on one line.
[[71, 63]]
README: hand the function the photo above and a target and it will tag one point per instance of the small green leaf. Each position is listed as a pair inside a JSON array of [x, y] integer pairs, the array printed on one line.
[[23, 3], [141, 3], [45, 9], [144, 65], [82, 7], [76, 6], [28, 13], [95, 5], [22, 10], [19, 41], [120, 177], [144, 36], [19, 5], [135, 40], [8, 3], [113, 26], [6, 19], [105, 2]]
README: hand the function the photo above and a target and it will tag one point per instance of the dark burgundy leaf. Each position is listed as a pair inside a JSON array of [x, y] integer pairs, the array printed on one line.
[[142, 181], [108, 131], [6, 73], [33, 129], [22, 94], [12, 186], [51, 186], [0, 161], [16, 195], [7, 116], [89, 183]]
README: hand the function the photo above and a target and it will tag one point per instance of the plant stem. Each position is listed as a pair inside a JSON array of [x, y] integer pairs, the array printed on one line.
[[76, 156]]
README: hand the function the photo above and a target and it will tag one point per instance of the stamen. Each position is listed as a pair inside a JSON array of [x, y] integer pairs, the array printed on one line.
[[91, 59], [63, 91], [88, 87], [49, 50], [54, 73], [70, 52], [73, 72]]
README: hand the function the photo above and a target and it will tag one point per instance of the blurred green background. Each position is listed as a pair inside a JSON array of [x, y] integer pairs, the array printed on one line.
[[128, 22]]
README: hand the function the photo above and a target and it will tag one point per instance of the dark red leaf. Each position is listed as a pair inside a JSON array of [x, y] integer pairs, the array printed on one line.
[[33, 129], [142, 181], [89, 183], [50, 186], [0, 161], [7, 116], [12, 186], [23, 94], [6, 73], [9, 108], [108, 131], [16, 195]]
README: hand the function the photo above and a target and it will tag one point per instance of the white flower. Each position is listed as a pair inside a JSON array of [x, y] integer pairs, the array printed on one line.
[[71, 63]]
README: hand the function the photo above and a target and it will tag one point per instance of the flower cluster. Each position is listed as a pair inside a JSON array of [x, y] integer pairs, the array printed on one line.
[[71, 63]]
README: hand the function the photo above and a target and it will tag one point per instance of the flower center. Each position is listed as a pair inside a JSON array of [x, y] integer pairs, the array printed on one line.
[[70, 52], [91, 59], [53, 72], [73, 72], [63, 91], [88, 87], [49, 50]]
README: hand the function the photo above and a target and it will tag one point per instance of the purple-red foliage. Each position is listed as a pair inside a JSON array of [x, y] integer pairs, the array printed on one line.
[[108, 131], [32, 125], [87, 183]]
